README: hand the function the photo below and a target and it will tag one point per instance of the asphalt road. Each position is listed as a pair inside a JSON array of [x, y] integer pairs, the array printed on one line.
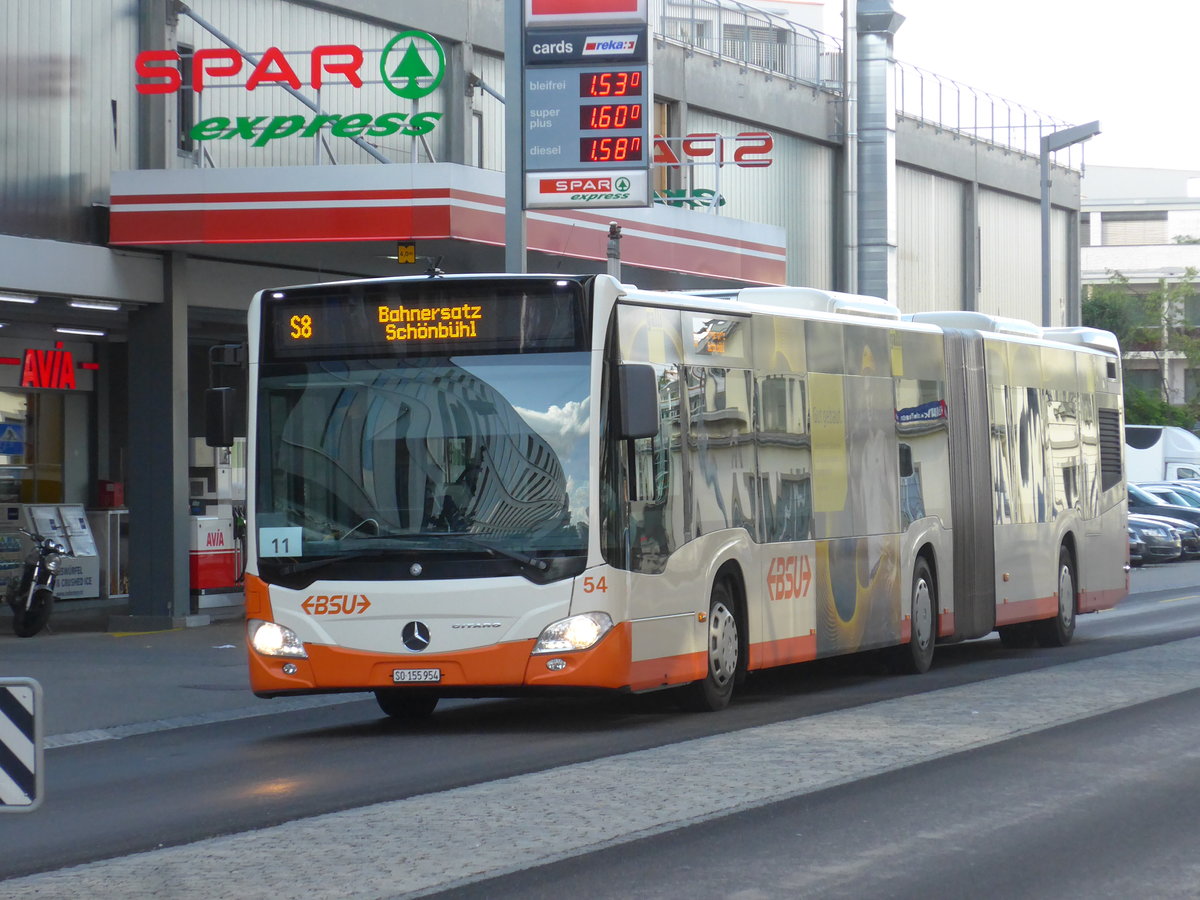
[[1026, 771]]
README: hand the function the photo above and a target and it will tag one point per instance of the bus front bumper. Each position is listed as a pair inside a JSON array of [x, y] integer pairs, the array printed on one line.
[[500, 668]]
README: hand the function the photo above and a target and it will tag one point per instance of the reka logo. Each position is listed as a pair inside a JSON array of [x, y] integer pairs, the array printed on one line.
[[613, 44]]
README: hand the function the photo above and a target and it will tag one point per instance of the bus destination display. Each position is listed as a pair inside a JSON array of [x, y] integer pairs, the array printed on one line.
[[391, 324]]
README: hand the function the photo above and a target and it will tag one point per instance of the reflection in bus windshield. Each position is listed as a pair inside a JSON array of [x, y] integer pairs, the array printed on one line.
[[367, 451]]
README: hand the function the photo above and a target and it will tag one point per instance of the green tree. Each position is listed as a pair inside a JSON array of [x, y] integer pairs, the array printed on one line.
[[1162, 322]]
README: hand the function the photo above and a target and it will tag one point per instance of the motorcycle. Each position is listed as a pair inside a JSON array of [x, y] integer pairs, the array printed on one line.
[[31, 596]]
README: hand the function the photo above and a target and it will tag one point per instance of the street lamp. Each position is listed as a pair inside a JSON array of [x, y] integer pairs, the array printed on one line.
[[1056, 140]]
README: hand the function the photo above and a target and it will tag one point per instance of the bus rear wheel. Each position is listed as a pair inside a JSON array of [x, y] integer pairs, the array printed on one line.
[[406, 705], [916, 656], [723, 650], [1058, 631]]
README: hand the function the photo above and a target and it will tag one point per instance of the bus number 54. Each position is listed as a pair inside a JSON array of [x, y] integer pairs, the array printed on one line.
[[592, 585]]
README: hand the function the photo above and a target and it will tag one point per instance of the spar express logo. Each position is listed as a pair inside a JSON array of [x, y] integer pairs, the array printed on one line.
[[603, 187], [411, 66]]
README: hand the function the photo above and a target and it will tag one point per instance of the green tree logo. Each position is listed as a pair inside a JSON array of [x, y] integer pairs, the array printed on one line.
[[405, 71], [622, 185]]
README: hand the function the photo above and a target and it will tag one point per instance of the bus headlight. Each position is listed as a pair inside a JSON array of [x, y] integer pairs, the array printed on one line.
[[576, 633], [270, 639]]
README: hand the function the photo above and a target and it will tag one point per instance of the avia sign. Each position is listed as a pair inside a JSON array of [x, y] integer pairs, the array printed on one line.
[[402, 66], [52, 369]]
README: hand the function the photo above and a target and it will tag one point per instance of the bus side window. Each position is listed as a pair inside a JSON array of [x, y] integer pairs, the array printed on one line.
[[655, 482]]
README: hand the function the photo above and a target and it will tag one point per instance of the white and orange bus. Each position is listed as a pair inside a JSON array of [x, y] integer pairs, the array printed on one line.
[[485, 485]]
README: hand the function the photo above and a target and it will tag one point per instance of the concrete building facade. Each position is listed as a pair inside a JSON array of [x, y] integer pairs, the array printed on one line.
[[165, 160]]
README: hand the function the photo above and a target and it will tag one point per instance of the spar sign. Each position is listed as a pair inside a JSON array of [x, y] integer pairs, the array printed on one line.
[[411, 66]]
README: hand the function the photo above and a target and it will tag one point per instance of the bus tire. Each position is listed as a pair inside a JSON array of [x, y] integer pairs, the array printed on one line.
[[916, 656], [406, 705], [1058, 631], [723, 651]]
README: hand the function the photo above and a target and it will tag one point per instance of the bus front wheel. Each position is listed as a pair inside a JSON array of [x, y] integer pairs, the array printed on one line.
[[723, 650]]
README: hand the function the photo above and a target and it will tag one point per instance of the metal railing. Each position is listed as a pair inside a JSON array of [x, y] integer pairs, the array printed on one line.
[[944, 103], [731, 31], [734, 32]]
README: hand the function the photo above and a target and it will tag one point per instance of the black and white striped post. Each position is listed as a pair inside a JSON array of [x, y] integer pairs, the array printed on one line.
[[20, 745]]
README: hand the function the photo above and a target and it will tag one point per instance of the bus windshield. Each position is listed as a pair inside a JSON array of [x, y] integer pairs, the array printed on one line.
[[477, 455]]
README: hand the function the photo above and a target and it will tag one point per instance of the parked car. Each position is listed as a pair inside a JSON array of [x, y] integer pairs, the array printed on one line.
[[1160, 542], [1172, 492], [1189, 536], [1136, 547], [1143, 502]]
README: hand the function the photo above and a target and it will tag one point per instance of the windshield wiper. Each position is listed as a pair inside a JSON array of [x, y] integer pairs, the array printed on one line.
[[523, 558], [308, 565]]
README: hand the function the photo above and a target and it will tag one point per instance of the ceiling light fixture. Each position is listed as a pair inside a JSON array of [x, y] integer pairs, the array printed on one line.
[[17, 298], [96, 304], [86, 332]]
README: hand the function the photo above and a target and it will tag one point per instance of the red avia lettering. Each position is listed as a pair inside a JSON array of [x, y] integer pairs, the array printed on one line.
[[336, 604], [577, 185], [49, 369], [215, 539], [161, 70], [789, 577]]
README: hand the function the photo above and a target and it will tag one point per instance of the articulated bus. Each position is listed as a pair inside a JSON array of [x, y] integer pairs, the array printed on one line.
[[484, 486]]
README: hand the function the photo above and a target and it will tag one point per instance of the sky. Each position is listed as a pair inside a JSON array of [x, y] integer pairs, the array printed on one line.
[[1134, 66]]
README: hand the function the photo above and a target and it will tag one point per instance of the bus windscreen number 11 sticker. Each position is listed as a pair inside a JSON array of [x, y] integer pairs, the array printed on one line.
[[279, 541]]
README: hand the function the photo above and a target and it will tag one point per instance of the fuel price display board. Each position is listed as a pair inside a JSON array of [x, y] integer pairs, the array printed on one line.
[[588, 106]]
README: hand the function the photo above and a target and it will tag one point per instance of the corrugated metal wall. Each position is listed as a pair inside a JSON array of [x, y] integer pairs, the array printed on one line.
[[797, 191], [68, 118], [67, 112], [1060, 263], [930, 233], [490, 110], [1010, 256], [256, 25]]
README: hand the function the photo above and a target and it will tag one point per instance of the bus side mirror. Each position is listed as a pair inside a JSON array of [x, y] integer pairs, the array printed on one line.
[[638, 401], [218, 417]]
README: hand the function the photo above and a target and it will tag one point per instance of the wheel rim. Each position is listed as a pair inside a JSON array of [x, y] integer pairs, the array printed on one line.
[[922, 624], [1066, 596], [722, 644]]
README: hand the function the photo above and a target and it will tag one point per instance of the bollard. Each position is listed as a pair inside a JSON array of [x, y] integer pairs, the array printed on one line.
[[20, 745]]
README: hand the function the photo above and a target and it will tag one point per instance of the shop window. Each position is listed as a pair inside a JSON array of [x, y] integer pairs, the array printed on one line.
[[31, 447]]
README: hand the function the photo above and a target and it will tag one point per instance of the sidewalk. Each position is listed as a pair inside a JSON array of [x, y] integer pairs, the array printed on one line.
[[98, 685]]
